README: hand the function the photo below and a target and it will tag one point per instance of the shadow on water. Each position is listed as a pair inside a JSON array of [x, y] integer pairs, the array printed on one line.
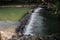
[[52, 23]]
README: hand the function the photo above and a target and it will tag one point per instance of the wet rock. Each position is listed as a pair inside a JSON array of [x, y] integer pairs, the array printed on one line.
[[23, 22]]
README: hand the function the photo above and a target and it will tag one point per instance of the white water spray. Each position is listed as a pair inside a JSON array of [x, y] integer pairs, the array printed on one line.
[[35, 23]]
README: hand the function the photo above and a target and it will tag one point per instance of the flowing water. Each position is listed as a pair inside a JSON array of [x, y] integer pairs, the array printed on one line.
[[36, 24], [42, 23]]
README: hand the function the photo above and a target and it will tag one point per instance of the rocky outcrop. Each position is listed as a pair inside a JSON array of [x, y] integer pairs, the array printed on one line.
[[37, 37], [23, 22]]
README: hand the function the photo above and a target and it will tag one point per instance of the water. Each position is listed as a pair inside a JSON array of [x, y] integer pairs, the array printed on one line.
[[8, 25], [42, 23], [35, 23]]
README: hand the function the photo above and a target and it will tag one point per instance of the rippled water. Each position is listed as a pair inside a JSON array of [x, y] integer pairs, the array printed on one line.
[[6, 25]]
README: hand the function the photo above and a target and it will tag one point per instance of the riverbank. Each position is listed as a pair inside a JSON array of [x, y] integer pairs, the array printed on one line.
[[31, 5]]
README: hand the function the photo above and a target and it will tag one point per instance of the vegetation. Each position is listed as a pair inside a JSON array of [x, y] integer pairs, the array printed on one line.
[[55, 8], [7, 2]]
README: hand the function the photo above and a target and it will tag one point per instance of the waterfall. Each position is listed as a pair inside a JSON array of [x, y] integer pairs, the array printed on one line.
[[35, 24]]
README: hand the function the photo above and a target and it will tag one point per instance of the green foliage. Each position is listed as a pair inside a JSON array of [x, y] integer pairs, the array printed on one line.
[[55, 8], [10, 2]]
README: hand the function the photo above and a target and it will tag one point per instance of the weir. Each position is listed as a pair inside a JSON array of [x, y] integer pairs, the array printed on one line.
[[35, 24], [40, 23]]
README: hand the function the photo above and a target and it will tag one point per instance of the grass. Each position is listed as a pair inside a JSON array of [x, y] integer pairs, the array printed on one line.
[[13, 14]]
